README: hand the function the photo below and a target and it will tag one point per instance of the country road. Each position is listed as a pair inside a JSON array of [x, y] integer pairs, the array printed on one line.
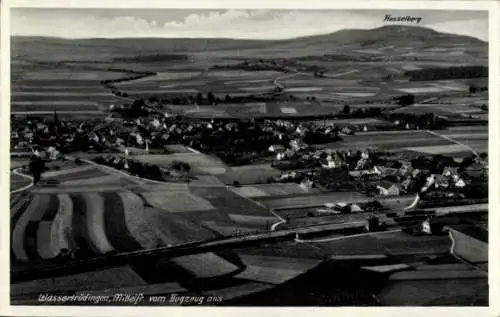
[[330, 239], [454, 141], [342, 74], [30, 178]]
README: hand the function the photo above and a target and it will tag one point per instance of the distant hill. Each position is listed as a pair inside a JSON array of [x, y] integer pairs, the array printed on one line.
[[43, 48], [387, 35]]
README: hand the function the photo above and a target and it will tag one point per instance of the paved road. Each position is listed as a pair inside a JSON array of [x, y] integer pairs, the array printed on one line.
[[30, 178], [330, 239]]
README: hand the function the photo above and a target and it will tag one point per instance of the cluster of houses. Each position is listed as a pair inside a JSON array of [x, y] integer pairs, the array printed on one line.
[[391, 178], [286, 141]]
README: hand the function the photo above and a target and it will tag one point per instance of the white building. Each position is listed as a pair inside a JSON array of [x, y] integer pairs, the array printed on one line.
[[460, 183]]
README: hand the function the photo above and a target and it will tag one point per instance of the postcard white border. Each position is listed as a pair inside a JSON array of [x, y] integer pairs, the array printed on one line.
[[494, 159]]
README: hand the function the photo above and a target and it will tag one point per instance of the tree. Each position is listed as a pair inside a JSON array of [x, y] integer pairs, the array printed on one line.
[[36, 166], [199, 98], [405, 100], [137, 107], [155, 172], [466, 162], [347, 109], [210, 98]]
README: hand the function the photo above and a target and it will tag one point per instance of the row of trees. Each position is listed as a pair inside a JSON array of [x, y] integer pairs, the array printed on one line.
[[281, 65], [211, 99], [423, 121], [447, 73], [475, 89], [369, 112], [153, 58], [136, 168], [138, 75]]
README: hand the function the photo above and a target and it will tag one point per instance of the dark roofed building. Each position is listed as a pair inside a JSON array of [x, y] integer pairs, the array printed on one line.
[[387, 188]]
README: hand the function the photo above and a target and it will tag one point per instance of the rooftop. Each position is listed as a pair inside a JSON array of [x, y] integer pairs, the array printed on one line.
[[386, 184]]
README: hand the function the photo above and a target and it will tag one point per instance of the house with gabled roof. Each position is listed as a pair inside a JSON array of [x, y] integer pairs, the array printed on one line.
[[387, 188]]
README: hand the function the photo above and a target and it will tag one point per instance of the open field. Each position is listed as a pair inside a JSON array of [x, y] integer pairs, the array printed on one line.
[[201, 163], [114, 278], [160, 77], [229, 202], [36, 87], [265, 190], [274, 270], [71, 74], [17, 182], [178, 148], [309, 199], [346, 84], [249, 174], [441, 109], [106, 221], [470, 291], [389, 141], [177, 201], [397, 244], [348, 87], [439, 149]]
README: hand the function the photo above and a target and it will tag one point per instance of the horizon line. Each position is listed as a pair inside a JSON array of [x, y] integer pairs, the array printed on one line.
[[243, 38]]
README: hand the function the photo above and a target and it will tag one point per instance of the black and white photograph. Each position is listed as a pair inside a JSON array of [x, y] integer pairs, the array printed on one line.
[[249, 157]]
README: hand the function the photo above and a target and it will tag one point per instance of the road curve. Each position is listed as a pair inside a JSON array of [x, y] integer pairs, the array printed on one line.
[[16, 172]]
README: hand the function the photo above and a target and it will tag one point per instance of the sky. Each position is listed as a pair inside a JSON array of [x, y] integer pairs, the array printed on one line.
[[243, 24]]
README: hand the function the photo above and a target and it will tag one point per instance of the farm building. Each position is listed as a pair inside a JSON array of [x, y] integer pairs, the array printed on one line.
[[388, 189], [460, 183], [450, 171], [333, 161]]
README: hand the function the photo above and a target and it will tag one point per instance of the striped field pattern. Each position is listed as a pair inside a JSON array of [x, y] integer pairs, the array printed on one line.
[[100, 222]]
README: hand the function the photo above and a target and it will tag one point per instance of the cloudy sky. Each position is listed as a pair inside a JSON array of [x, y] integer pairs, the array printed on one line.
[[249, 24]]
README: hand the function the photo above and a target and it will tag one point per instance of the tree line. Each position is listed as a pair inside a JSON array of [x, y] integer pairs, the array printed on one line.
[[437, 73]]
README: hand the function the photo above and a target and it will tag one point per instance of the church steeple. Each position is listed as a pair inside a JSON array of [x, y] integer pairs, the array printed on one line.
[[56, 125], [56, 119]]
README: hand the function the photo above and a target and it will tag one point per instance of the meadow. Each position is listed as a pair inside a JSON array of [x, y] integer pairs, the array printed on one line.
[[76, 85], [390, 140], [309, 199]]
